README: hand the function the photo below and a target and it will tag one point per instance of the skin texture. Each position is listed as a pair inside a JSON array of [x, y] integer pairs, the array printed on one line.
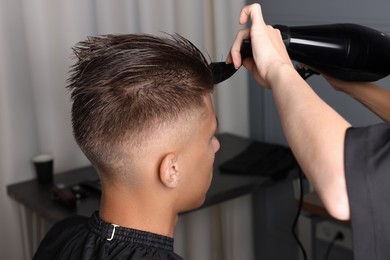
[[142, 114], [315, 132], [369, 94], [171, 176]]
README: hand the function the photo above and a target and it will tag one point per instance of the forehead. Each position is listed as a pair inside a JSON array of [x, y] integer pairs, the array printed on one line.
[[209, 108], [208, 116]]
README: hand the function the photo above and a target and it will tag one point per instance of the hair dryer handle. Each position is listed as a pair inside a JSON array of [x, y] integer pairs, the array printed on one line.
[[246, 48], [285, 33]]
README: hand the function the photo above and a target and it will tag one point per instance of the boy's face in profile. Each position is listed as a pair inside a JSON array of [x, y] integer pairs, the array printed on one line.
[[199, 156]]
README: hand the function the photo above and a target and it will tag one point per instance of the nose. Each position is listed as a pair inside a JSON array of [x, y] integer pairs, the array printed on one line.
[[216, 144]]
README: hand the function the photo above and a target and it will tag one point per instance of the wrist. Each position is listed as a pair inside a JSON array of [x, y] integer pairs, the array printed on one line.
[[281, 73]]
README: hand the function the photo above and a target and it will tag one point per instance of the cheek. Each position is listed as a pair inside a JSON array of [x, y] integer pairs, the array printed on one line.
[[200, 166], [208, 160], [207, 170], [202, 170]]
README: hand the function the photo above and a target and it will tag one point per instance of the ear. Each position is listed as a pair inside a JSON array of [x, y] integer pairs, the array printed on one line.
[[169, 171]]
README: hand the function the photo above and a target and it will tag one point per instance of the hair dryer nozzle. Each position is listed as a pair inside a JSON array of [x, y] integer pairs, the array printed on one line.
[[222, 71], [348, 52]]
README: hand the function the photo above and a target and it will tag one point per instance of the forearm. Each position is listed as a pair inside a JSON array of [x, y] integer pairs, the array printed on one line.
[[373, 97], [315, 133]]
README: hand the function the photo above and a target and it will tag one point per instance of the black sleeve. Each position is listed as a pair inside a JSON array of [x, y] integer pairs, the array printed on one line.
[[367, 169]]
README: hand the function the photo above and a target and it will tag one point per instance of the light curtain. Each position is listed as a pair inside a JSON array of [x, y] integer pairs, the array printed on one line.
[[35, 49]]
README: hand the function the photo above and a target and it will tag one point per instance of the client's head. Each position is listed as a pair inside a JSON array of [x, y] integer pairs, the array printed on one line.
[[142, 112]]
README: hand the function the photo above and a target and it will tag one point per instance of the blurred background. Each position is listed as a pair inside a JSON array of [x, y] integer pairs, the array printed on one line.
[[35, 54]]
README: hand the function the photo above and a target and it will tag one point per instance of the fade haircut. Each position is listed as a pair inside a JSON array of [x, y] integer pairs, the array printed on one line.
[[124, 87]]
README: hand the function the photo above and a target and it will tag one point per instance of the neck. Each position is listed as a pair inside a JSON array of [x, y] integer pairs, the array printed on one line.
[[137, 211]]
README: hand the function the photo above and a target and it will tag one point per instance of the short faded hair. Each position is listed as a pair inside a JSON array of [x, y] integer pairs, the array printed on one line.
[[123, 87]]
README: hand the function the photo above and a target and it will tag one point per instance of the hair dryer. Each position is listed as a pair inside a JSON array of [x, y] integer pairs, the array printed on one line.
[[348, 52]]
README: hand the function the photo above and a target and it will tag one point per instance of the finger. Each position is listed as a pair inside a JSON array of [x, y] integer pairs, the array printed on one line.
[[254, 12], [250, 65], [235, 54], [277, 41]]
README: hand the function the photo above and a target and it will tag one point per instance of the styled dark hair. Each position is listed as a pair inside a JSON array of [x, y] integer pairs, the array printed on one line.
[[125, 86]]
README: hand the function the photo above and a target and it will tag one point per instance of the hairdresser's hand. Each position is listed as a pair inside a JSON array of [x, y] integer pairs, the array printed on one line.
[[269, 52], [372, 96], [314, 131], [340, 85]]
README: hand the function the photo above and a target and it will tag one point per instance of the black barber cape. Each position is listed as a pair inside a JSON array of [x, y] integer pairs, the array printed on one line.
[[367, 169], [85, 238]]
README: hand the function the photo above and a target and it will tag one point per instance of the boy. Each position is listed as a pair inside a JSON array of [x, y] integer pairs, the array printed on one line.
[[142, 114]]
